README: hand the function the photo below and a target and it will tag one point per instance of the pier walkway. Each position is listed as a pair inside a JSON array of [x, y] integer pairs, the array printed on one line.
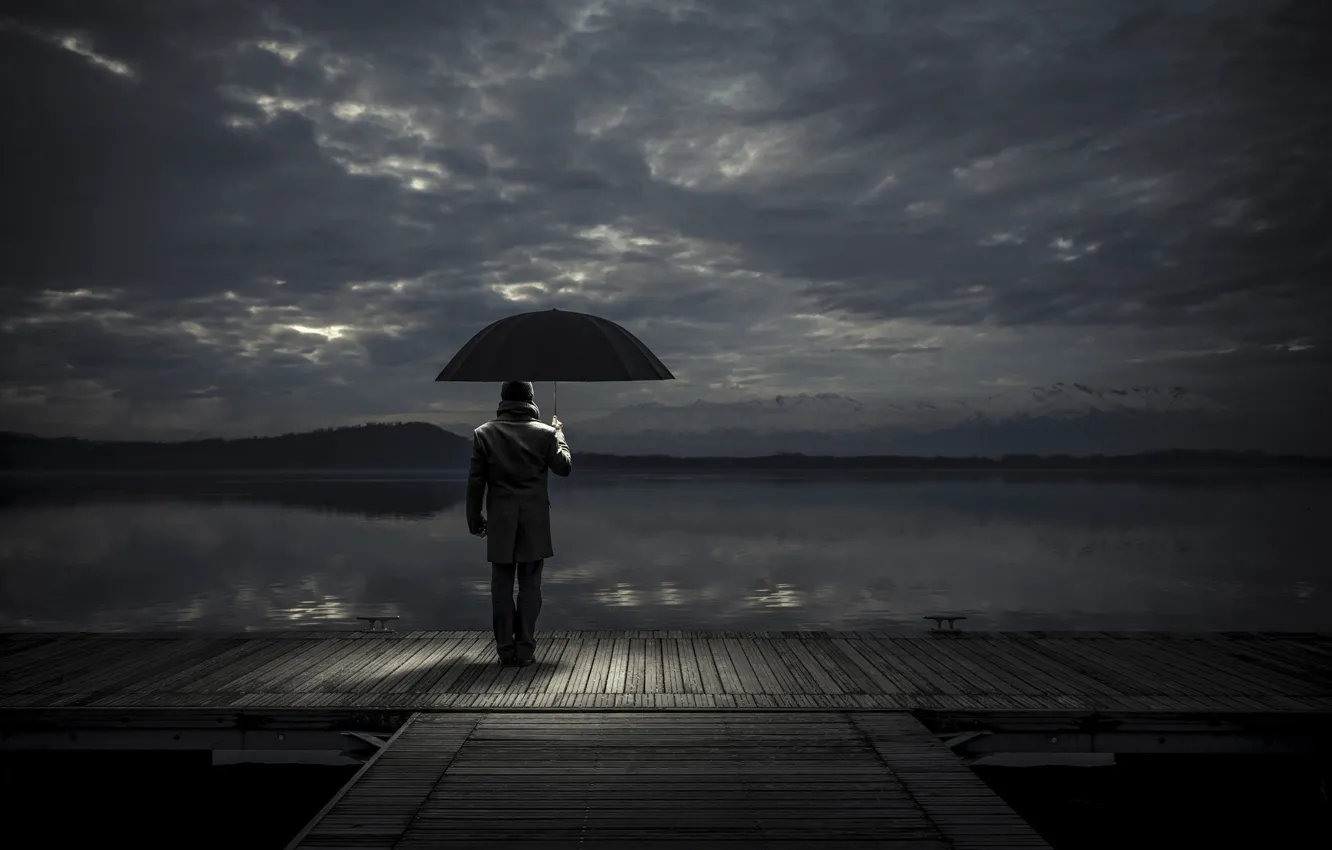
[[977, 671], [643, 739], [645, 780]]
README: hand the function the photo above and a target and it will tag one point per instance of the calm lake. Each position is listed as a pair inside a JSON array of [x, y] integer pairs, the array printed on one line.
[[1013, 550]]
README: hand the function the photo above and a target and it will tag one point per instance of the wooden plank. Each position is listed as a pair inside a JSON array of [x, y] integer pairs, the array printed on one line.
[[869, 679], [548, 660], [407, 662], [441, 652], [307, 679], [637, 666], [1243, 676], [815, 668], [600, 667], [1158, 670], [264, 650], [44, 656], [749, 679], [793, 676], [672, 680], [721, 659], [271, 680], [653, 674], [1190, 679], [554, 657], [1308, 652], [1031, 677], [356, 667], [572, 676], [485, 664], [168, 680], [766, 682], [138, 660], [90, 656], [138, 669], [1048, 676], [692, 668], [464, 658], [286, 652], [581, 670], [1056, 668], [945, 667], [772, 673], [1279, 672], [1270, 650], [1087, 655], [895, 661], [619, 663], [486, 671], [85, 655], [15, 644], [507, 677], [372, 651], [956, 658], [1117, 655]]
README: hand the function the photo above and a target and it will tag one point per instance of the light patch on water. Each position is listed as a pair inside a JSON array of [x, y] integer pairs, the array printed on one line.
[[669, 594], [622, 595], [780, 596]]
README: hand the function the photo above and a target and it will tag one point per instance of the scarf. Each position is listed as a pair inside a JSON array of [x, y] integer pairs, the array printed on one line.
[[519, 407]]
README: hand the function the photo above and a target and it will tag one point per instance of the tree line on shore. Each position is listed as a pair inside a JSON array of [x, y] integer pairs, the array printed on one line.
[[420, 445]]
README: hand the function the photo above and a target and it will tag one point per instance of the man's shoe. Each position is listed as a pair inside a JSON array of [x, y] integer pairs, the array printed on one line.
[[527, 663], [509, 662]]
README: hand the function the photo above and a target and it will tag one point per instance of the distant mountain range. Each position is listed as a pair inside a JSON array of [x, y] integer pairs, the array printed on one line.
[[412, 446], [833, 413], [1058, 419], [407, 445]]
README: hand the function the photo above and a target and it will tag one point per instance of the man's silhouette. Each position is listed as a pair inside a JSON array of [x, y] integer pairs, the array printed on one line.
[[510, 456]]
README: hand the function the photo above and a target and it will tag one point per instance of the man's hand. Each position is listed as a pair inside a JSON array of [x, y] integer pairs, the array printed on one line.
[[558, 426], [477, 526]]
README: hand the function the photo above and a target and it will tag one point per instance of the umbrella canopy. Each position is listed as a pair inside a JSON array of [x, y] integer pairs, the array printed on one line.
[[554, 345]]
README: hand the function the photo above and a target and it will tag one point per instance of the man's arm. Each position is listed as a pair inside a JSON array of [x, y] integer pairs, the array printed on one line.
[[477, 475], [560, 461]]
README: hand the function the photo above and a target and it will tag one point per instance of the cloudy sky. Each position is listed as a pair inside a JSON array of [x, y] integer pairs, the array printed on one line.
[[248, 218]]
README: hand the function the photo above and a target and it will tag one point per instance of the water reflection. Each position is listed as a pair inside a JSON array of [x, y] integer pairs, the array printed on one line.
[[878, 551], [365, 495]]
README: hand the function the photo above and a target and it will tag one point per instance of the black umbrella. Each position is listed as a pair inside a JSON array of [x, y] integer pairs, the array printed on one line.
[[554, 345]]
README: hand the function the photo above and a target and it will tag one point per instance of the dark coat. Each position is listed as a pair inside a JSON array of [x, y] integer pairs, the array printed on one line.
[[510, 456]]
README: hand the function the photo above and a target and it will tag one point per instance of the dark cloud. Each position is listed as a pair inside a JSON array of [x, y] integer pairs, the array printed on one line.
[[228, 217]]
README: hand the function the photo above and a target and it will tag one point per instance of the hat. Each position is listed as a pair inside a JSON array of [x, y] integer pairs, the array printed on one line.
[[516, 391]]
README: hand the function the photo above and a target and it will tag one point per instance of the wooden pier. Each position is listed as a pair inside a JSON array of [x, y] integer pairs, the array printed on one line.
[[422, 671], [655, 738], [645, 780]]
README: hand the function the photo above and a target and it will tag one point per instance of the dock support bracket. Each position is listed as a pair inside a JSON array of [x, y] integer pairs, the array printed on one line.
[[958, 740], [940, 619], [361, 745], [378, 624]]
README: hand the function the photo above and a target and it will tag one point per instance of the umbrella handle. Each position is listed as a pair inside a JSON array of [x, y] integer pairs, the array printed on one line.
[[556, 385]]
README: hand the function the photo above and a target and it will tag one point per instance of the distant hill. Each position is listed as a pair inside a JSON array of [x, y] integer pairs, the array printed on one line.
[[404, 445], [420, 446], [1179, 459], [1067, 419]]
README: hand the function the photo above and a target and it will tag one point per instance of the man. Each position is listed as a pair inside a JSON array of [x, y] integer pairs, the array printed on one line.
[[510, 456]]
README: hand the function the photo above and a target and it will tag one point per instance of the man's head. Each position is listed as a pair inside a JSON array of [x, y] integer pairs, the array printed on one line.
[[516, 391]]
